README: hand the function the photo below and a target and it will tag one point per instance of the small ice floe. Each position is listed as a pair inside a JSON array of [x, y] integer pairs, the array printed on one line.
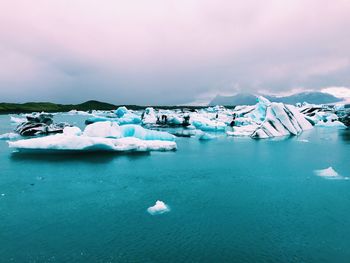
[[329, 173], [17, 120], [206, 137], [9, 136], [303, 140], [159, 208]]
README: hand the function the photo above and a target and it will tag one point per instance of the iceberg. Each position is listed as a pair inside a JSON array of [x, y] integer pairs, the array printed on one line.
[[329, 173], [78, 112], [331, 124], [109, 129], [63, 142], [145, 134], [72, 131], [121, 111], [149, 116], [121, 116], [9, 136], [101, 136], [281, 120], [326, 116], [106, 129], [246, 130], [208, 125], [159, 208], [41, 124], [17, 120], [206, 137]]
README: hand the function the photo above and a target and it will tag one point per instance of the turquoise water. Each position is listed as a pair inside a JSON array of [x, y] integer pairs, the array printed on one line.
[[231, 200]]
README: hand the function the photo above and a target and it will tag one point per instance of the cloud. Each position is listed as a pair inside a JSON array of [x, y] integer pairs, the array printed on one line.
[[339, 92], [169, 52]]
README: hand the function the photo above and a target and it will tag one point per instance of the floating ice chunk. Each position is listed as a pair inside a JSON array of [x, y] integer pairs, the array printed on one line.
[[113, 130], [260, 133], [72, 131], [209, 125], [149, 116], [285, 118], [17, 120], [331, 124], [329, 173], [281, 120], [184, 133], [145, 134], [206, 137], [62, 142], [78, 112], [129, 118], [246, 130], [122, 117], [159, 208], [302, 121], [259, 112], [264, 101], [303, 140], [9, 136], [104, 129], [121, 111]]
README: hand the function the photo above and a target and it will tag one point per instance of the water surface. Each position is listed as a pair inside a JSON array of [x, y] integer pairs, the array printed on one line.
[[231, 200]]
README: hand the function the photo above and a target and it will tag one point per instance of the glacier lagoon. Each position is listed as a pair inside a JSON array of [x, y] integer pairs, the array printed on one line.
[[232, 199]]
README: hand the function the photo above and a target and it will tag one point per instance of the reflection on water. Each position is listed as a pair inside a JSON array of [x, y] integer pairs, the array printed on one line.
[[345, 135], [70, 156]]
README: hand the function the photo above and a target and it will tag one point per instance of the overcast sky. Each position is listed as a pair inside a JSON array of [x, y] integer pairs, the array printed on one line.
[[170, 52]]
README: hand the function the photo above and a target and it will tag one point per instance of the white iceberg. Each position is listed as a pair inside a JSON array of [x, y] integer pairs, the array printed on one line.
[[206, 137], [72, 130], [245, 130], [121, 116], [159, 208], [17, 120], [78, 112], [281, 120], [121, 111], [113, 130], [145, 134], [106, 129], [329, 173], [63, 142], [101, 136], [9, 136], [205, 124], [331, 124], [323, 116], [149, 116]]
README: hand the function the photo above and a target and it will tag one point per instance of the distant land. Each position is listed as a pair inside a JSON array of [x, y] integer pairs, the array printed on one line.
[[15, 108], [250, 99], [28, 107], [228, 101]]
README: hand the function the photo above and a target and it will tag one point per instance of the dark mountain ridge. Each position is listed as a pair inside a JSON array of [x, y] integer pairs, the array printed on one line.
[[251, 99]]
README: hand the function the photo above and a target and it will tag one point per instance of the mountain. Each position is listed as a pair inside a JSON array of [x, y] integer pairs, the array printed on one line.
[[250, 99], [238, 99], [29, 107], [53, 107]]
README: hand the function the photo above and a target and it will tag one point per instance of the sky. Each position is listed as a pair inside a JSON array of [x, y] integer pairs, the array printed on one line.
[[170, 52]]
